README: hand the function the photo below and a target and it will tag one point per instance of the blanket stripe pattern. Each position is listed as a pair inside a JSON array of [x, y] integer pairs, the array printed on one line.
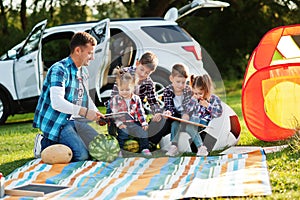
[[153, 178]]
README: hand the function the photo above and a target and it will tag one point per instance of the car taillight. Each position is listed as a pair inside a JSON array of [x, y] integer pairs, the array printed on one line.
[[194, 50]]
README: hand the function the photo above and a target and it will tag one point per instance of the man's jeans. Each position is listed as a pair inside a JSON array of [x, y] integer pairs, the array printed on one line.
[[76, 135]]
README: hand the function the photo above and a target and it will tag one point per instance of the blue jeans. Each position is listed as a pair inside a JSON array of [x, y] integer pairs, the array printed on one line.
[[77, 136], [134, 130], [192, 130]]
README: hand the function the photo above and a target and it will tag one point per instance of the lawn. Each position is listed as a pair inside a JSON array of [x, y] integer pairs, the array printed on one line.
[[17, 136]]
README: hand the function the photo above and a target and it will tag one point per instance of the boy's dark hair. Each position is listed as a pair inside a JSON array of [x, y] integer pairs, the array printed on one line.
[[179, 70], [150, 60], [81, 39]]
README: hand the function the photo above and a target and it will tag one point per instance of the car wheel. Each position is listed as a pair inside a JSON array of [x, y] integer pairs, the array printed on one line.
[[4, 108]]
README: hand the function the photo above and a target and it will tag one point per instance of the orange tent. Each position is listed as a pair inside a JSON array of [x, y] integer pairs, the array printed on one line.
[[271, 87]]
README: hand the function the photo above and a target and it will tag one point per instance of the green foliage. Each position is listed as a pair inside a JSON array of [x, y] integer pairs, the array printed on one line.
[[230, 36], [113, 10]]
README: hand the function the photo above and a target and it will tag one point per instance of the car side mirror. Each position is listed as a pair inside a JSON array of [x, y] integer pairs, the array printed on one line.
[[171, 14], [12, 53]]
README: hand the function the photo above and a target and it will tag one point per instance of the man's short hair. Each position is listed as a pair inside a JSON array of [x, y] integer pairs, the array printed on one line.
[[81, 39]]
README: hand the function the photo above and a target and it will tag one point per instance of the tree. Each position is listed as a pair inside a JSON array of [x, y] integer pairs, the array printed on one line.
[[23, 16], [3, 19], [231, 36], [150, 8]]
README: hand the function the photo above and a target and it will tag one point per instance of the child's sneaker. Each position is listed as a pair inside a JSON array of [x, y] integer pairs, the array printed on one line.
[[173, 151], [146, 152], [202, 151], [120, 155]]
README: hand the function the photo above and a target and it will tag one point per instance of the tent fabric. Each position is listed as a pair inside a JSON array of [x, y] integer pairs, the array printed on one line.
[[154, 178], [271, 87]]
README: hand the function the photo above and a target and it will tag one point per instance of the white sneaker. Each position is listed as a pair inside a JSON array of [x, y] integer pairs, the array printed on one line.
[[146, 152], [202, 151], [173, 151], [37, 145], [120, 155]]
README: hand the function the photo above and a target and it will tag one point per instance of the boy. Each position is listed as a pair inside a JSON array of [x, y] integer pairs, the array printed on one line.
[[176, 97]]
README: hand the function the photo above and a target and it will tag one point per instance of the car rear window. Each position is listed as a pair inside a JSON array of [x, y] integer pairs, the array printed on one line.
[[166, 34]]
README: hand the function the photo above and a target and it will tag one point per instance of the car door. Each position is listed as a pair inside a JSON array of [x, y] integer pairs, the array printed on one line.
[[98, 67], [173, 14], [28, 66]]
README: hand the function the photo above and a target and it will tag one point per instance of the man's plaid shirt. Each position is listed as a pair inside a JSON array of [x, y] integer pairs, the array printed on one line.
[[169, 96], [61, 74], [146, 90]]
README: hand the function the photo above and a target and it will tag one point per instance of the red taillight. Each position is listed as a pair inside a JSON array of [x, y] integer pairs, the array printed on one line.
[[192, 49]]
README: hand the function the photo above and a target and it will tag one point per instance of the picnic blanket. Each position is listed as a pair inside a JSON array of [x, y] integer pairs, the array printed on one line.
[[151, 178]]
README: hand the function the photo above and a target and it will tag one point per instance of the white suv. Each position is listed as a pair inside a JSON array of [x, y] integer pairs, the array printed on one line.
[[120, 43]]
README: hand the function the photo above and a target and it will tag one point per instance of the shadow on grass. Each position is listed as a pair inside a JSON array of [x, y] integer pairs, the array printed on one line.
[[9, 167], [20, 121]]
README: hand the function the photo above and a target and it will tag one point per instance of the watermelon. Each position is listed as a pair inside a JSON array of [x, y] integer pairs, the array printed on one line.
[[131, 145], [104, 147]]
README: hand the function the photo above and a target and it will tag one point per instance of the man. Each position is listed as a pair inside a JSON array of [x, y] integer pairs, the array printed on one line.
[[65, 99]]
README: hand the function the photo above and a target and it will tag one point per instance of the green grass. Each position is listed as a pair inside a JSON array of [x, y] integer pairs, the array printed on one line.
[[16, 141]]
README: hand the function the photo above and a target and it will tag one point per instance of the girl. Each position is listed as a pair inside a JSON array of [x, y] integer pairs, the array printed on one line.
[[202, 108], [127, 101]]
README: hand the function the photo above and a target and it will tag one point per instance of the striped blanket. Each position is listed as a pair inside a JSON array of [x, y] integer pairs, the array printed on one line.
[[154, 178]]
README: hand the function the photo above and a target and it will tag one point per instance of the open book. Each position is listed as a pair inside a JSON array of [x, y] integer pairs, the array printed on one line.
[[127, 115]]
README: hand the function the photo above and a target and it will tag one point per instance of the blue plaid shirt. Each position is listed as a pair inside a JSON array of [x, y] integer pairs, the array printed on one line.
[[61, 74], [213, 110], [169, 96]]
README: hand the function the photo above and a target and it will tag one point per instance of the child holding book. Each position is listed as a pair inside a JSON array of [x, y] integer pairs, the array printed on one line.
[[127, 101], [202, 108], [176, 96]]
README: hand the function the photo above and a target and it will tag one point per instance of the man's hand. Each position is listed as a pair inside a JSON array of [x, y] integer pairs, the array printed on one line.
[[93, 115]]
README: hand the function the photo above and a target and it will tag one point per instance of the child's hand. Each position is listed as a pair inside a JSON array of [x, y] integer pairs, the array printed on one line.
[[156, 117], [122, 126], [145, 128], [185, 117], [203, 102], [167, 112]]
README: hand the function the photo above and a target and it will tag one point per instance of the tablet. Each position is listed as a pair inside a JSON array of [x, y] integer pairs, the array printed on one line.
[[35, 190]]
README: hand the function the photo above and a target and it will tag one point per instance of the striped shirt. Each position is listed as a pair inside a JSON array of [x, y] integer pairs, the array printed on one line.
[[61, 74]]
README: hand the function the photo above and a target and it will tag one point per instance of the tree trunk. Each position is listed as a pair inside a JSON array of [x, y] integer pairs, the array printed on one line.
[[23, 15], [3, 19]]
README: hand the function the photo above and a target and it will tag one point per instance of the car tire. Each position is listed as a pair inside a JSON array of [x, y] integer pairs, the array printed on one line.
[[4, 108]]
